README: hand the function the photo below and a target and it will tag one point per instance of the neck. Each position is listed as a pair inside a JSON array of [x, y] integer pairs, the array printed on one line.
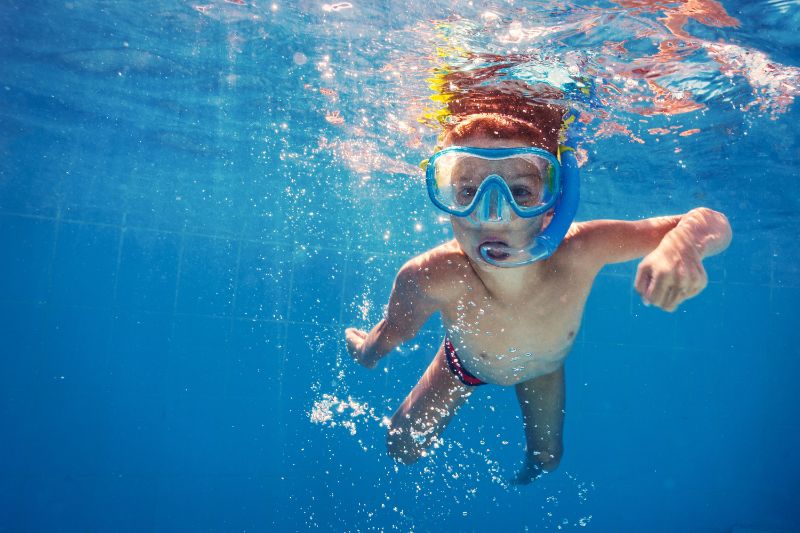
[[510, 284]]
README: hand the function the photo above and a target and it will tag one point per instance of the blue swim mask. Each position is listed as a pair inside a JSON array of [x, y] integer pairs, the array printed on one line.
[[494, 185]]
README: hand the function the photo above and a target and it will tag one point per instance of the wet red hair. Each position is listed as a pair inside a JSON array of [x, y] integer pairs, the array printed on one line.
[[509, 110]]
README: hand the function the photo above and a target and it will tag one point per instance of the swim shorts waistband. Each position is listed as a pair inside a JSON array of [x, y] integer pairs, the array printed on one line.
[[457, 368]]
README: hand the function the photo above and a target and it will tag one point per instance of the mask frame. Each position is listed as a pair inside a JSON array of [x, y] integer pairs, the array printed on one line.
[[493, 189]]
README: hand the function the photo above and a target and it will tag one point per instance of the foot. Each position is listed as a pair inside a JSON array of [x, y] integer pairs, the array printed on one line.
[[530, 472]]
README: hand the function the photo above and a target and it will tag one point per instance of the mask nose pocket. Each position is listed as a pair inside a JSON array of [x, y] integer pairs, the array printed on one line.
[[493, 201], [493, 206]]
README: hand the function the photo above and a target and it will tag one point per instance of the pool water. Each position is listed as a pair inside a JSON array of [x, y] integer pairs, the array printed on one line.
[[196, 198]]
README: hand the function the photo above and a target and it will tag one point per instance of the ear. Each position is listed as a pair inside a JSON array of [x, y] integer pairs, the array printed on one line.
[[547, 218]]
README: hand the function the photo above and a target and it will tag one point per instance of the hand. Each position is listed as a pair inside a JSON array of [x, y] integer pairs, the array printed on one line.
[[670, 274], [355, 339]]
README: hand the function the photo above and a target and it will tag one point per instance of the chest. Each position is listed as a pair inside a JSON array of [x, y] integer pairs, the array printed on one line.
[[541, 321]]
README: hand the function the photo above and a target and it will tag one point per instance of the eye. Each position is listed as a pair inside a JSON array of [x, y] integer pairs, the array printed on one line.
[[465, 194], [524, 196], [520, 191]]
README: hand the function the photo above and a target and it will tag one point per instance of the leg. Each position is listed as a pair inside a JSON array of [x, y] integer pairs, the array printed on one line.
[[542, 403], [426, 411]]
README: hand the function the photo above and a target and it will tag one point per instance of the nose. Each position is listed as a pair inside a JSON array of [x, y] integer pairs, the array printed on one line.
[[494, 209]]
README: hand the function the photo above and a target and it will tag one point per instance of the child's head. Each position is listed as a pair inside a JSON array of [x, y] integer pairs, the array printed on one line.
[[489, 210], [537, 128]]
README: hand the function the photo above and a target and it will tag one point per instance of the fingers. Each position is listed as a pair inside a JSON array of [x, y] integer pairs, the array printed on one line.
[[685, 287], [659, 289], [666, 293], [354, 339], [673, 298], [644, 276], [651, 284], [355, 332], [668, 288]]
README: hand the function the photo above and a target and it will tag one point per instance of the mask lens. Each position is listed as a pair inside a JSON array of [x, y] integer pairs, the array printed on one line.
[[458, 176]]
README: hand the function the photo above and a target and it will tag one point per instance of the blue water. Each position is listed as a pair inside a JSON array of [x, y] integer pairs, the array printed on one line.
[[197, 198]]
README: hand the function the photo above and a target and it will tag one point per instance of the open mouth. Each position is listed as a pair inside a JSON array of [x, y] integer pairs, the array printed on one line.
[[494, 249]]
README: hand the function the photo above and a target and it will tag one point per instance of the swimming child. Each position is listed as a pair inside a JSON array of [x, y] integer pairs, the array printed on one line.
[[510, 305]]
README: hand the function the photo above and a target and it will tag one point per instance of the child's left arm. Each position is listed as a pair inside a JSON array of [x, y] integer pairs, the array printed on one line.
[[673, 248]]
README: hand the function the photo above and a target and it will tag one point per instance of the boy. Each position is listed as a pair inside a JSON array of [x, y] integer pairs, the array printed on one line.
[[515, 326]]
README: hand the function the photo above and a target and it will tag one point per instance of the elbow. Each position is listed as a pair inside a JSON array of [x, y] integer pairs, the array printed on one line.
[[722, 226], [718, 226], [728, 231]]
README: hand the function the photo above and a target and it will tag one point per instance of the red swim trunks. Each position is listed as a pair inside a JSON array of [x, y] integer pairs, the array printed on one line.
[[457, 368]]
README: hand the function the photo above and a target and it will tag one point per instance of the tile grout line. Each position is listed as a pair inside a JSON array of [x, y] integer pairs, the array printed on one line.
[[232, 318], [115, 292], [235, 285], [174, 312], [340, 357], [183, 232], [771, 276], [286, 329], [48, 298], [181, 251], [345, 273], [293, 264], [177, 314], [119, 261]]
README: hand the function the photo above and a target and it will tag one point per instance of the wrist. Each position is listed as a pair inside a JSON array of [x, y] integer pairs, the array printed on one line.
[[717, 232], [701, 231], [685, 242], [678, 244]]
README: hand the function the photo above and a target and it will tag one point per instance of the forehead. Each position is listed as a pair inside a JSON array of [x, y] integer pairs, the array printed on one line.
[[486, 141], [501, 131]]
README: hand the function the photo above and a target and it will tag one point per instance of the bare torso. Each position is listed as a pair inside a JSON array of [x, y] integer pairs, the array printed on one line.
[[509, 336]]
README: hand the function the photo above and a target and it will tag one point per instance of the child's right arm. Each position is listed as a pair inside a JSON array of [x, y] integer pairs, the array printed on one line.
[[410, 305]]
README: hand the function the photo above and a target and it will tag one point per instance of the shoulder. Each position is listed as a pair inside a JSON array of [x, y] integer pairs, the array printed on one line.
[[589, 245], [574, 254], [436, 271], [599, 242]]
